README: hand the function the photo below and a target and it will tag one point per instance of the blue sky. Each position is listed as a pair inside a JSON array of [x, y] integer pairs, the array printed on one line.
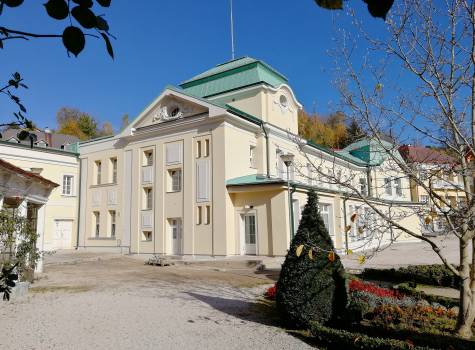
[[166, 42]]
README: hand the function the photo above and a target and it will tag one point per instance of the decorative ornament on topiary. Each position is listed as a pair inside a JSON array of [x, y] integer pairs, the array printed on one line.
[[312, 285]]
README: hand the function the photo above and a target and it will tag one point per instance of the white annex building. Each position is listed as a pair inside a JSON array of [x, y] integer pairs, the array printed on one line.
[[201, 172]]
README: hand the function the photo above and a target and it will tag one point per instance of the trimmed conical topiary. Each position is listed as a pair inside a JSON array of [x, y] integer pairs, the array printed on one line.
[[311, 285]]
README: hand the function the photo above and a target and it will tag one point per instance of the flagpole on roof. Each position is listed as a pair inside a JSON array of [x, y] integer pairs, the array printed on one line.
[[232, 29]]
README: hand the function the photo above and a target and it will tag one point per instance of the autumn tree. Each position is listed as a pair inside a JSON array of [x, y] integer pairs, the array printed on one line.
[[330, 132], [72, 121], [82, 21], [415, 77]]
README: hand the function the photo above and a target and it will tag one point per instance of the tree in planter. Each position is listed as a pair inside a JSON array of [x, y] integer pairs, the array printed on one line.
[[18, 252], [311, 286]]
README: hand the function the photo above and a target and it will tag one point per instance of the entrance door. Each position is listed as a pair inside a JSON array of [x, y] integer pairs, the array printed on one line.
[[249, 233], [177, 236], [62, 234]]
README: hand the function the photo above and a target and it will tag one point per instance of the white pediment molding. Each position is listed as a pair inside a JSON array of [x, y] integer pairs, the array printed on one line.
[[160, 115]]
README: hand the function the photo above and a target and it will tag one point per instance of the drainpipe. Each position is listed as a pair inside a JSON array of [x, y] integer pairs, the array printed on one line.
[[267, 150], [369, 181], [79, 204], [292, 191], [345, 224]]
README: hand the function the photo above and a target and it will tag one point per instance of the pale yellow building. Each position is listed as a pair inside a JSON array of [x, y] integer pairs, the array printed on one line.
[[58, 216], [201, 171]]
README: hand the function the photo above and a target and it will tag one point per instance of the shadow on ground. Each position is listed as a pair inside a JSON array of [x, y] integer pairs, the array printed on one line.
[[260, 311]]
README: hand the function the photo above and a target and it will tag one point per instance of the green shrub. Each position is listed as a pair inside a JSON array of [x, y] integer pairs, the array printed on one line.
[[434, 339], [312, 285], [436, 275], [340, 339]]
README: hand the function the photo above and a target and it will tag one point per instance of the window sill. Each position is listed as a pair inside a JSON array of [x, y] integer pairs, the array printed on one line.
[[104, 185], [68, 195], [102, 238], [146, 240], [173, 191]]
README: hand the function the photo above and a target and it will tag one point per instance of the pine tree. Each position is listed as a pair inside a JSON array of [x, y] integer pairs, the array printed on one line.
[[312, 284]]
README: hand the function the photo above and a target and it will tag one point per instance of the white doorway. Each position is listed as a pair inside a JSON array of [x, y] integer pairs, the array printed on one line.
[[63, 230], [248, 234], [176, 234]]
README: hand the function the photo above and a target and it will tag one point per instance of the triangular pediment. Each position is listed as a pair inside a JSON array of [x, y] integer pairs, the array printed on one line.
[[170, 106]]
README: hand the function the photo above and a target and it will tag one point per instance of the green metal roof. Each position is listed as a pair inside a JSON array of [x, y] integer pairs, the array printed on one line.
[[233, 75], [253, 180], [370, 150]]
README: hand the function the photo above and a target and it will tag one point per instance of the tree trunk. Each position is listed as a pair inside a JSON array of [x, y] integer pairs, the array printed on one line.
[[466, 314]]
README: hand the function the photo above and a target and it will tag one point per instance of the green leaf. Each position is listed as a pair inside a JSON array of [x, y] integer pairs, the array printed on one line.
[[102, 24], [84, 16], [108, 45], [379, 8], [104, 3], [13, 3], [330, 4], [57, 9], [74, 40], [84, 3]]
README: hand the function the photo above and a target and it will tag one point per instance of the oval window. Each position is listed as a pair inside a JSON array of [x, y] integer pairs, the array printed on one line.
[[283, 101], [175, 111]]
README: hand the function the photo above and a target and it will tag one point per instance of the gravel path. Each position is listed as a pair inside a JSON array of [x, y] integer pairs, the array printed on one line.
[[107, 306]]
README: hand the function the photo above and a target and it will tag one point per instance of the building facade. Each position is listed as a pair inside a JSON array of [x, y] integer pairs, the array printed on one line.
[[202, 171], [60, 210]]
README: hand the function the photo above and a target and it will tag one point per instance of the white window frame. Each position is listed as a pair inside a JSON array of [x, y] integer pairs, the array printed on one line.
[[97, 223], [175, 180], [388, 186], [98, 165], [114, 166], [113, 226], [252, 156], [71, 186], [398, 187], [148, 198]]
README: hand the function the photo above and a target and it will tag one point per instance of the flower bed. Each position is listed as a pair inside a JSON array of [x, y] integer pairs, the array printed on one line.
[[271, 292], [359, 285]]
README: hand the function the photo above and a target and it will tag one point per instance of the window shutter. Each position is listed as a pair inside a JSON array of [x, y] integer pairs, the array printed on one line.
[[174, 153], [112, 197], [147, 219], [96, 198], [202, 180], [147, 174]]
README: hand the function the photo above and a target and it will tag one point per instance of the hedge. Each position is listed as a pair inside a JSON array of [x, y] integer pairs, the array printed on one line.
[[341, 339], [431, 340], [436, 275]]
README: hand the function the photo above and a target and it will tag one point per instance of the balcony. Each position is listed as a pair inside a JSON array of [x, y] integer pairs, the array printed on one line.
[[147, 174]]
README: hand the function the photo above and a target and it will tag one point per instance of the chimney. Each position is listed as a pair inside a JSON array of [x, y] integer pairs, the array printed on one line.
[[48, 137]]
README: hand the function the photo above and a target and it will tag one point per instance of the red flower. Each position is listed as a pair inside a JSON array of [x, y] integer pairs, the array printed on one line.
[[373, 289], [270, 292]]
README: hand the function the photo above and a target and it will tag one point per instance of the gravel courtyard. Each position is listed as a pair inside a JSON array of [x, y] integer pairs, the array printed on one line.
[[116, 302]]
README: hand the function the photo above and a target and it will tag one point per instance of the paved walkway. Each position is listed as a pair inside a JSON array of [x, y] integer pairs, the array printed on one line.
[[115, 302], [404, 254]]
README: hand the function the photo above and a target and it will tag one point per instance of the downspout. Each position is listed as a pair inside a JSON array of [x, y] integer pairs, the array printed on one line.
[[345, 224], [79, 205], [369, 181], [267, 150], [292, 230]]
